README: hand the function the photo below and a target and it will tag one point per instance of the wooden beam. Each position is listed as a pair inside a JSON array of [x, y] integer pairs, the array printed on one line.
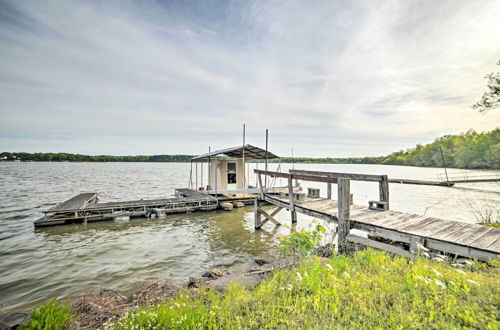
[[379, 246], [344, 207], [329, 190], [292, 202], [260, 186], [257, 216], [270, 217], [351, 176]]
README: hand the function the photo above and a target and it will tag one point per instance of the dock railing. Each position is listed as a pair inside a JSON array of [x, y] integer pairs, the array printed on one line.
[[343, 200]]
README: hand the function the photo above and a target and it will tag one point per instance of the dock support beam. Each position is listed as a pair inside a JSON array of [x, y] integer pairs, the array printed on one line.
[[344, 213], [329, 190], [258, 213], [292, 202], [384, 190]]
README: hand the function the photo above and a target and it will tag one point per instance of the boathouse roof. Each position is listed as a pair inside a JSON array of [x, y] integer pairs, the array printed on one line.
[[251, 152]]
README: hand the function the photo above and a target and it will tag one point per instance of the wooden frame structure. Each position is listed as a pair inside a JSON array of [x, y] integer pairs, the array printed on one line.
[[416, 231]]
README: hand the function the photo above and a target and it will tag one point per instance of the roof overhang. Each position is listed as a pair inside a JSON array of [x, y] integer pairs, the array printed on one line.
[[251, 152]]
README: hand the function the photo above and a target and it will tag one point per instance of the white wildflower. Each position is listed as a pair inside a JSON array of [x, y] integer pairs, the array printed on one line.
[[437, 273], [441, 284], [329, 267], [421, 247], [347, 275], [460, 271], [473, 282], [384, 268], [299, 276]]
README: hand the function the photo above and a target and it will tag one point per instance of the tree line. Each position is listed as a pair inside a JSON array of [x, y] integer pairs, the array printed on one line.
[[67, 157], [467, 150], [470, 150]]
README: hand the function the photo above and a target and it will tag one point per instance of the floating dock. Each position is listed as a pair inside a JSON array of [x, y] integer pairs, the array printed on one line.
[[418, 232], [86, 208]]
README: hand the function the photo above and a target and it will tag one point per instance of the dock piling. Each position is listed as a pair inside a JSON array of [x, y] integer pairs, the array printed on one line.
[[344, 207]]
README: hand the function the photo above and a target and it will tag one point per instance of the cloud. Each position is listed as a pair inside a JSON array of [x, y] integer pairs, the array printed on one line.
[[146, 77]]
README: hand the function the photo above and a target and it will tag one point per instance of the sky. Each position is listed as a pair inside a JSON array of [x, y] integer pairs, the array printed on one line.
[[327, 78]]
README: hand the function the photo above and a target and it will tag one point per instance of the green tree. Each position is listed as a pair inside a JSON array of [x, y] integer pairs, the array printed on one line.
[[491, 98]]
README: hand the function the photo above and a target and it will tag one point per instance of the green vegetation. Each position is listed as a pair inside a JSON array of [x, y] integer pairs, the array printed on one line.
[[491, 98], [51, 316], [301, 242], [367, 290], [65, 157], [468, 150]]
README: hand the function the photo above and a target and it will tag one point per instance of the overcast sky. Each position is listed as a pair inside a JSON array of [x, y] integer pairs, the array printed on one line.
[[328, 78]]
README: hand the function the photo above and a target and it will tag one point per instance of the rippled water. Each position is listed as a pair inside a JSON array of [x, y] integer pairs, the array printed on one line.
[[67, 260]]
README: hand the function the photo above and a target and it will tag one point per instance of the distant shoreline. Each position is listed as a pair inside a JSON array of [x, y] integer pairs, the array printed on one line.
[[469, 150], [286, 160]]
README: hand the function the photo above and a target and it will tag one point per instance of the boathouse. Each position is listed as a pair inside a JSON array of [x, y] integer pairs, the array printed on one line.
[[227, 168]]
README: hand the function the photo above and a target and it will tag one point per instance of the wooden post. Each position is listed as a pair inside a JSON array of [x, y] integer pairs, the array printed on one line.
[[257, 215], [344, 211], [384, 190], [260, 186], [292, 202], [329, 190]]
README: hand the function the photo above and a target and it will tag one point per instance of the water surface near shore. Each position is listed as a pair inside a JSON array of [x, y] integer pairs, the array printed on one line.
[[36, 265]]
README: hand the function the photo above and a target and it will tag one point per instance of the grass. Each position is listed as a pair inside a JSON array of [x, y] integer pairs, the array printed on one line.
[[367, 290], [50, 315]]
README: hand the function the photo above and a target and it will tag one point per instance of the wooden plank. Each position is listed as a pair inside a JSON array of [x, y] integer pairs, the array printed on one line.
[[495, 246], [379, 246], [329, 190], [459, 232], [414, 228], [477, 233], [351, 176], [447, 231], [486, 240], [420, 182], [435, 227]]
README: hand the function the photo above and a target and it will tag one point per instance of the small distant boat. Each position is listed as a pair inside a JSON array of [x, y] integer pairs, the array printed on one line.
[[226, 206]]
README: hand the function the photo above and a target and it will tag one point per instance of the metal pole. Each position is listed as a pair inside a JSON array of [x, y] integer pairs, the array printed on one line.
[[445, 171], [267, 140], [196, 173], [244, 178], [209, 166], [191, 176]]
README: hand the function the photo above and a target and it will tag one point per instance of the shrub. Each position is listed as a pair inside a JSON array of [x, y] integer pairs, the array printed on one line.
[[50, 315], [301, 242]]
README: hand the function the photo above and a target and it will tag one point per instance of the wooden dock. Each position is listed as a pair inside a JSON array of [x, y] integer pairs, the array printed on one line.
[[453, 237], [86, 208]]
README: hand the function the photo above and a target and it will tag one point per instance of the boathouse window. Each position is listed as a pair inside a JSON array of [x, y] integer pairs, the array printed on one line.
[[231, 173]]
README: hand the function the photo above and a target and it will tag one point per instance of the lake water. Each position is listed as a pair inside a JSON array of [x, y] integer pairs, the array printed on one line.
[[36, 265]]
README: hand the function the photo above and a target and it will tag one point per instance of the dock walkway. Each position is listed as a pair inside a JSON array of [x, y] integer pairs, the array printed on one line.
[[454, 237], [86, 208]]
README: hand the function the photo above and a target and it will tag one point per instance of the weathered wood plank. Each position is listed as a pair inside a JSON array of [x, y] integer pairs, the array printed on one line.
[[473, 236], [379, 246], [486, 240], [351, 176]]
